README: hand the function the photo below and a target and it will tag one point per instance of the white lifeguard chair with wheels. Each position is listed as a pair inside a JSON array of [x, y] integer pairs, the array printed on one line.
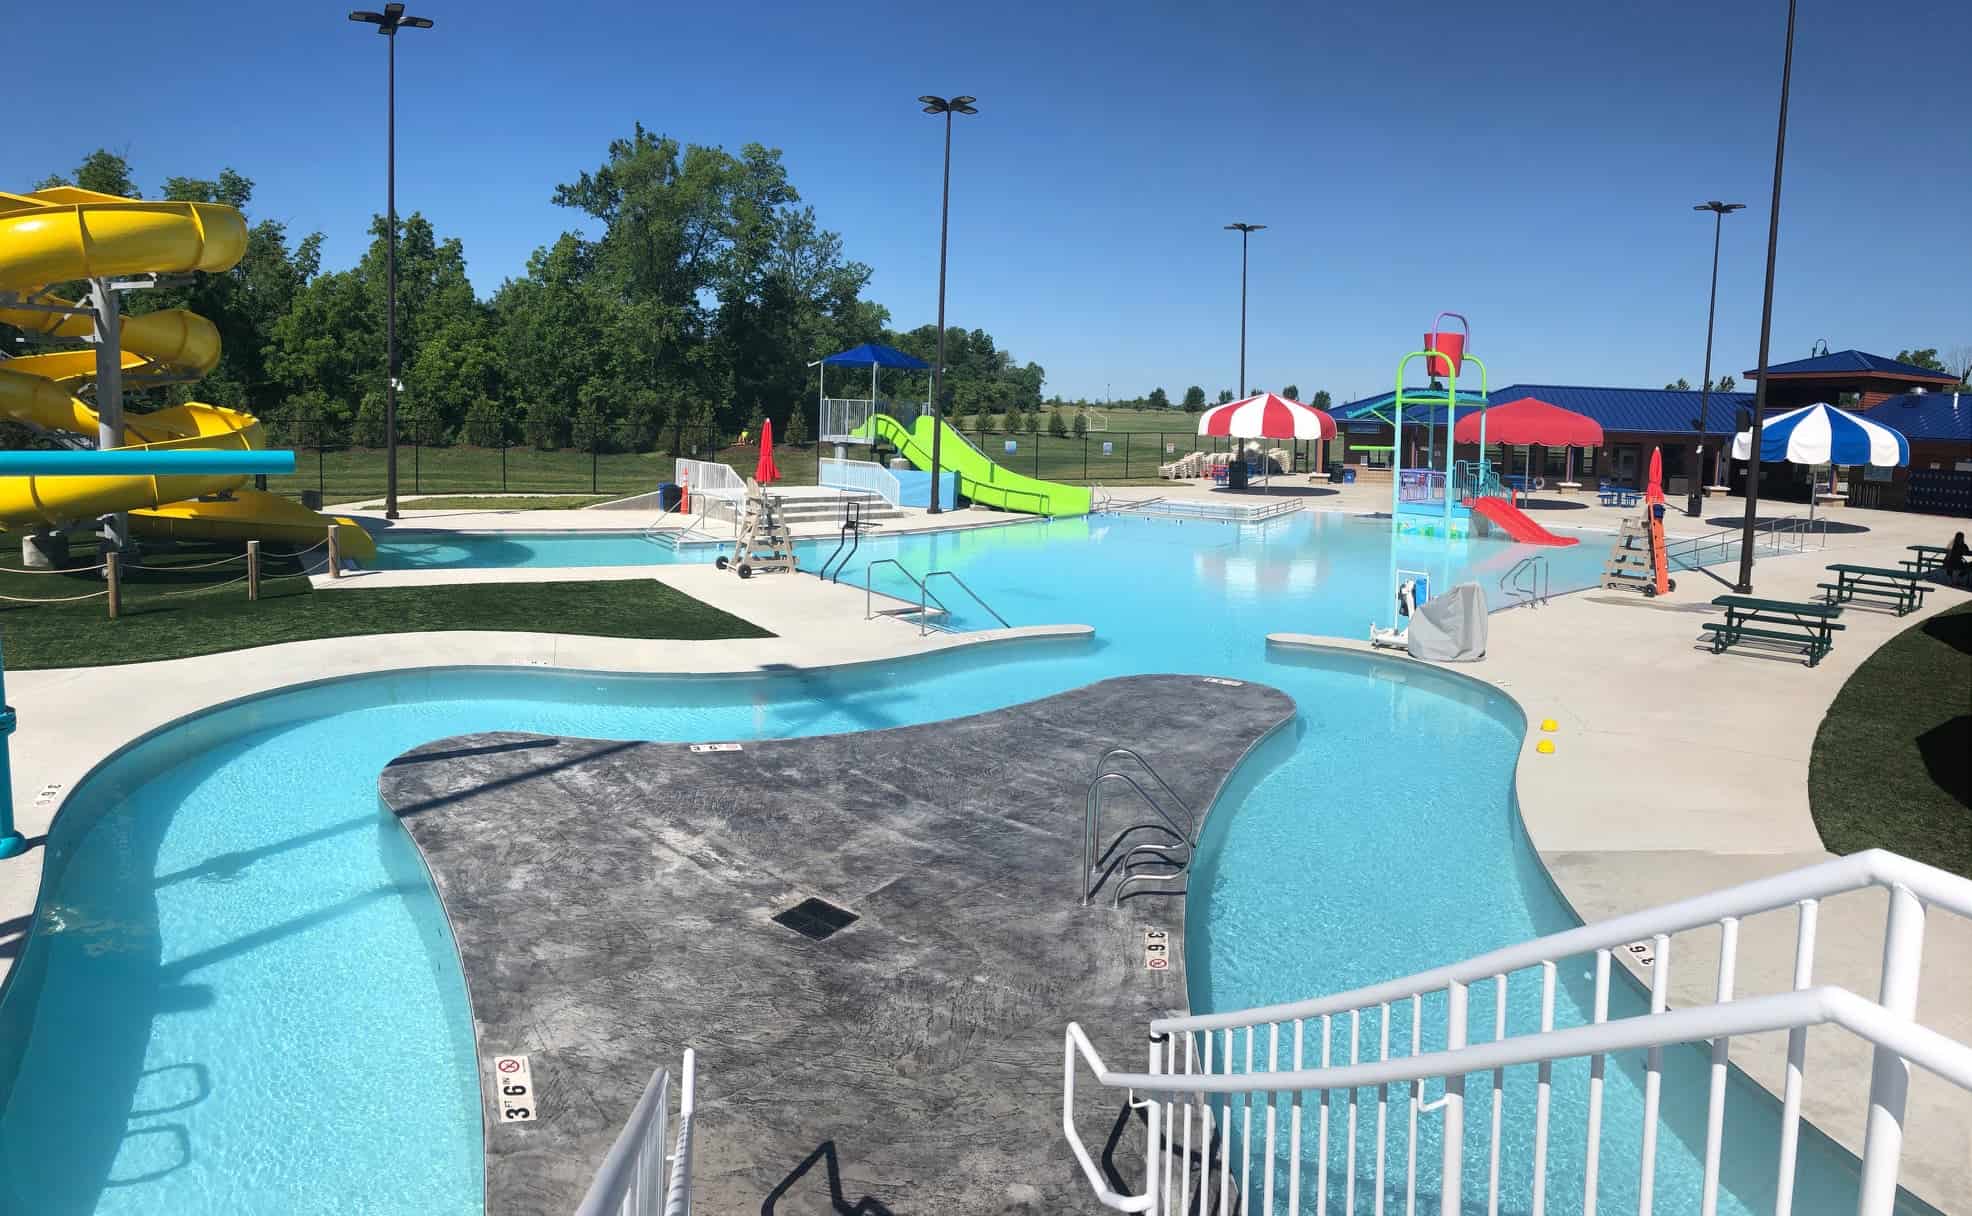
[[764, 541]]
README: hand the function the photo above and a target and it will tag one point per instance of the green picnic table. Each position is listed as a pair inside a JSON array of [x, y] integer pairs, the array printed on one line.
[[1809, 624], [1929, 558], [1900, 587]]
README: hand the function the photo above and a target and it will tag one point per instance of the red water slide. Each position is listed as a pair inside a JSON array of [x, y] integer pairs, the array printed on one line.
[[1517, 523]]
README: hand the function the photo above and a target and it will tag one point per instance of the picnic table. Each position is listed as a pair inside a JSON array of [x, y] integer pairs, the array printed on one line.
[[1618, 496], [1900, 587], [1810, 624], [1929, 558]]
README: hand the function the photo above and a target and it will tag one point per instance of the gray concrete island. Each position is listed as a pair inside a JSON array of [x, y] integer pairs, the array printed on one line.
[[612, 905]]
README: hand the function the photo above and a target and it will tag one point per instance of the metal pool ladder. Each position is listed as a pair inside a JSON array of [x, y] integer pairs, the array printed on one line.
[[926, 600], [1165, 855], [1527, 581]]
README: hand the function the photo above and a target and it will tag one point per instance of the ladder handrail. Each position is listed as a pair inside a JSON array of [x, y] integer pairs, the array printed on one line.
[[869, 571], [1186, 833], [969, 591], [1132, 753]]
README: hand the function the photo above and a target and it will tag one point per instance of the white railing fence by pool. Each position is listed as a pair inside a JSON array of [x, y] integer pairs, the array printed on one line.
[[844, 419], [632, 1180], [1771, 538], [711, 485], [1224, 1100], [865, 475]]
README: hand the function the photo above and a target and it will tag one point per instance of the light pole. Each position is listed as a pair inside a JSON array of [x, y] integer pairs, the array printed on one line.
[[1245, 231], [1745, 586], [388, 22], [947, 107], [1695, 503]]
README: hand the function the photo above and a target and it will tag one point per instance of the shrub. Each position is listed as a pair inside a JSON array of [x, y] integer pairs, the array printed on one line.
[[1056, 426], [485, 425], [1081, 423]]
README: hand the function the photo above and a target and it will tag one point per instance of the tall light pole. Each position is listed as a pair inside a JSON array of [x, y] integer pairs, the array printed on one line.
[[1245, 231], [1695, 503], [947, 107], [388, 22], [1745, 585]]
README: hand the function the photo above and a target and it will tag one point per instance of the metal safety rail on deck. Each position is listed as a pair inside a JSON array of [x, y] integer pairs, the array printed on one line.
[[633, 1180], [1207, 1074], [1164, 858]]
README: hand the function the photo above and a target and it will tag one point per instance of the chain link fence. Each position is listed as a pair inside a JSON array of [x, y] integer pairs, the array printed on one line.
[[337, 471]]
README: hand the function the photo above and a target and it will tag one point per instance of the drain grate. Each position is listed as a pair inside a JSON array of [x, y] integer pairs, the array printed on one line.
[[816, 919]]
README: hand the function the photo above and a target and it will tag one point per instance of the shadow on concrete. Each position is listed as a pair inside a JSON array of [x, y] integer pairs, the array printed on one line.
[[1283, 490], [1553, 504], [1947, 752], [1833, 527], [825, 1154], [1954, 629], [585, 754]]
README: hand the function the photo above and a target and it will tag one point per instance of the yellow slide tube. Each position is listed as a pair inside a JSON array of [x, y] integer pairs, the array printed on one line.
[[64, 233]]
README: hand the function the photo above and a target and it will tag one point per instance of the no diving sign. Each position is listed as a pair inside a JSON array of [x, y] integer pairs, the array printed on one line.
[[513, 1083]]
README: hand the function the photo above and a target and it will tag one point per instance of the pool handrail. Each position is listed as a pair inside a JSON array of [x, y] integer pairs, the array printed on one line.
[[631, 1180], [1887, 1023]]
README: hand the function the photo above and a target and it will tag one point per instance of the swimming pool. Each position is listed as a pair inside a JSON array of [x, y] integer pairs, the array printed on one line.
[[244, 994]]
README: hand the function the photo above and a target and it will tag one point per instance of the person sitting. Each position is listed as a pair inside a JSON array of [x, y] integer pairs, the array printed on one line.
[[1958, 561]]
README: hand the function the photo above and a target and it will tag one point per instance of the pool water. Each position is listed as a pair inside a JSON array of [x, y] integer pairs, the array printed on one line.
[[243, 996]]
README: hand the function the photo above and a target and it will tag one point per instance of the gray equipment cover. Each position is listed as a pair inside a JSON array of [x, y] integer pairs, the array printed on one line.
[[1451, 627]]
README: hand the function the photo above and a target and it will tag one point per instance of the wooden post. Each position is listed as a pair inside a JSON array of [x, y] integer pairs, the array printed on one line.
[[253, 570], [335, 554], [113, 571]]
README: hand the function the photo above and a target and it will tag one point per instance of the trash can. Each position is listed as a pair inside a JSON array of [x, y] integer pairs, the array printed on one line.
[[1236, 473], [668, 495], [311, 499], [1349, 475]]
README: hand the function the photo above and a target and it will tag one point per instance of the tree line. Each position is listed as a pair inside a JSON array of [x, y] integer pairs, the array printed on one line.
[[698, 308]]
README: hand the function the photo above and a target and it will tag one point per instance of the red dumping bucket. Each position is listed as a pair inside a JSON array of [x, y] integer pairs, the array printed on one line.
[[1451, 346]]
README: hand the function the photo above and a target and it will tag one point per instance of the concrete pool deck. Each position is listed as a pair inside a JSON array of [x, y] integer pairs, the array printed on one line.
[[910, 1061]]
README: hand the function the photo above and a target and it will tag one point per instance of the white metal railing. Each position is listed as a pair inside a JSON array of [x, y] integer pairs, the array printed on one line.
[[707, 482], [632, 1179], [865, 475], [1203, 1077], [844, 418]]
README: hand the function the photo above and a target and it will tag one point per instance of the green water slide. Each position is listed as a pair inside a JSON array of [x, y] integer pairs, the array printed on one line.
[[979, 478]]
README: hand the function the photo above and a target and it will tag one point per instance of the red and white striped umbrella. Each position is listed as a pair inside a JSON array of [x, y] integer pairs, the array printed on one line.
[[1266, 416]]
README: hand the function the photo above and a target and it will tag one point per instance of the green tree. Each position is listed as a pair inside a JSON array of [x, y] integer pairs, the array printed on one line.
[[1681, 385], [102, 171], [485, 424], [1726, 384], [1926, 358], [1032, 421], [1194, 399], [546, 424], [1322, 400], [1057, 425], [797, 427], [1159, 399], [1081, 423], [1292, 392], [1225, 395]]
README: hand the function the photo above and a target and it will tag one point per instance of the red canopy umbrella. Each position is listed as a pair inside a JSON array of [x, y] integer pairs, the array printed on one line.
[[766, 472], [1530, 421]]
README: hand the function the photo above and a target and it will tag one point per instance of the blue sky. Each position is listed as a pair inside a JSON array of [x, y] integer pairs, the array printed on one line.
[[1536, 175]]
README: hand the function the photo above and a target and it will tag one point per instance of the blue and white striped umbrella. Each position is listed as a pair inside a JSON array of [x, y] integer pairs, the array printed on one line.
[[1822, 434]]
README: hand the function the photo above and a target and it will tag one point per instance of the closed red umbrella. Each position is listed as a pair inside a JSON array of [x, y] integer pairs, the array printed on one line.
[[766, 472], [1655, 485]]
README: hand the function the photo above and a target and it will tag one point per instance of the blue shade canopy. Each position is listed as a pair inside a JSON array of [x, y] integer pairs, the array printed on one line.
[[870, 354], [1822, 434]]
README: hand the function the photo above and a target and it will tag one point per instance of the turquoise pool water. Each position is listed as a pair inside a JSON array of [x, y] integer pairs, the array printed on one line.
[[242, 996]]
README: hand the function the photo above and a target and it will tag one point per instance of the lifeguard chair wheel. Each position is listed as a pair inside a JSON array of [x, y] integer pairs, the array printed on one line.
[[1671, 585], [745, 571], [721, 563]]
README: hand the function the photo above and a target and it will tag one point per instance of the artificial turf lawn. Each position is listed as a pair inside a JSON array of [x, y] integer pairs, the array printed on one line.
[[170, 614], [1892, 762]]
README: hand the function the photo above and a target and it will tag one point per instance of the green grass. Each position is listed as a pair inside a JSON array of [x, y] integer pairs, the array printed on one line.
[[1892, 763], [497, 502], [170, 612]]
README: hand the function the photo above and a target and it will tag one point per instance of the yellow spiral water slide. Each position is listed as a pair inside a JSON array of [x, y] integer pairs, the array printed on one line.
[[61, 234]]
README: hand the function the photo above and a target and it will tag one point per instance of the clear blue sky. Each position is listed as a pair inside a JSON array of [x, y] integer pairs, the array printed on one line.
[[1537, 176]]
